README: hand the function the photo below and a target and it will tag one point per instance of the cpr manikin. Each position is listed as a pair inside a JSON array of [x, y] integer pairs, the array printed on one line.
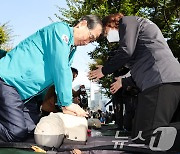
[[52, 129]]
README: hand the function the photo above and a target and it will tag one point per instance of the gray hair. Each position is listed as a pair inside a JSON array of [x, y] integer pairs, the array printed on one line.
[[92, 21]]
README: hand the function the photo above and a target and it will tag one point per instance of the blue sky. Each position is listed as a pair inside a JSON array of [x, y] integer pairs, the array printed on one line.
[[27, 16]]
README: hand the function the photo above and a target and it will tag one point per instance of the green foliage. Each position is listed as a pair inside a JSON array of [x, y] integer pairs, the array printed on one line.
[[165, 13], [5, 36]]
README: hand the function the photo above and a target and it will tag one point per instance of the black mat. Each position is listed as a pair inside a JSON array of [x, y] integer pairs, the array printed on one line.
[[102, 141]]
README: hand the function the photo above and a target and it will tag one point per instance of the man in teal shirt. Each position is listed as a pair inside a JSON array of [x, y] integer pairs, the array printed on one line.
[[41, 60]]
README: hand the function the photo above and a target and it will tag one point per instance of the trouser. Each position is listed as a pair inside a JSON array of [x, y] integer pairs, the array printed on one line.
[[16, 118], [130, 107], [156, 107], [118, 108]]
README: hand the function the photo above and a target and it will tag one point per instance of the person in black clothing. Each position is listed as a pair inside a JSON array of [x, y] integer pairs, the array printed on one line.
[[153, 68], [125, 101]]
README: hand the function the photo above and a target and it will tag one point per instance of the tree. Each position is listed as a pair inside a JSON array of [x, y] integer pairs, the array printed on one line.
[[5, 36], [165, 13]]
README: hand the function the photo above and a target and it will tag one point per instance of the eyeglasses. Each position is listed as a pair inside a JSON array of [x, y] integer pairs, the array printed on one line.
[[92, 38]]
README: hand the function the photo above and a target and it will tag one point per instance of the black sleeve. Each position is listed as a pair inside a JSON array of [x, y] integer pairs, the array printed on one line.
[[128, 31], [128, 82], [121, 71]]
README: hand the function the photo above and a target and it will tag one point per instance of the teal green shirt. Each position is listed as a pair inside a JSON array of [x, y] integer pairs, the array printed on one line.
[[41, 60]]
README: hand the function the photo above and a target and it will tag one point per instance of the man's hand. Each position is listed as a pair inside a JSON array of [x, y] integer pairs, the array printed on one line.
[[75, 109], [65, 111], [96, 74], [116, 85]]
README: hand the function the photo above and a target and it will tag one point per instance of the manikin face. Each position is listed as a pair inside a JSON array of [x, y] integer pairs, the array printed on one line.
[[83, 35]]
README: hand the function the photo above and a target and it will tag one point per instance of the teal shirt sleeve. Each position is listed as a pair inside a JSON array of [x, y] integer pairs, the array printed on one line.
[[58, 57]]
